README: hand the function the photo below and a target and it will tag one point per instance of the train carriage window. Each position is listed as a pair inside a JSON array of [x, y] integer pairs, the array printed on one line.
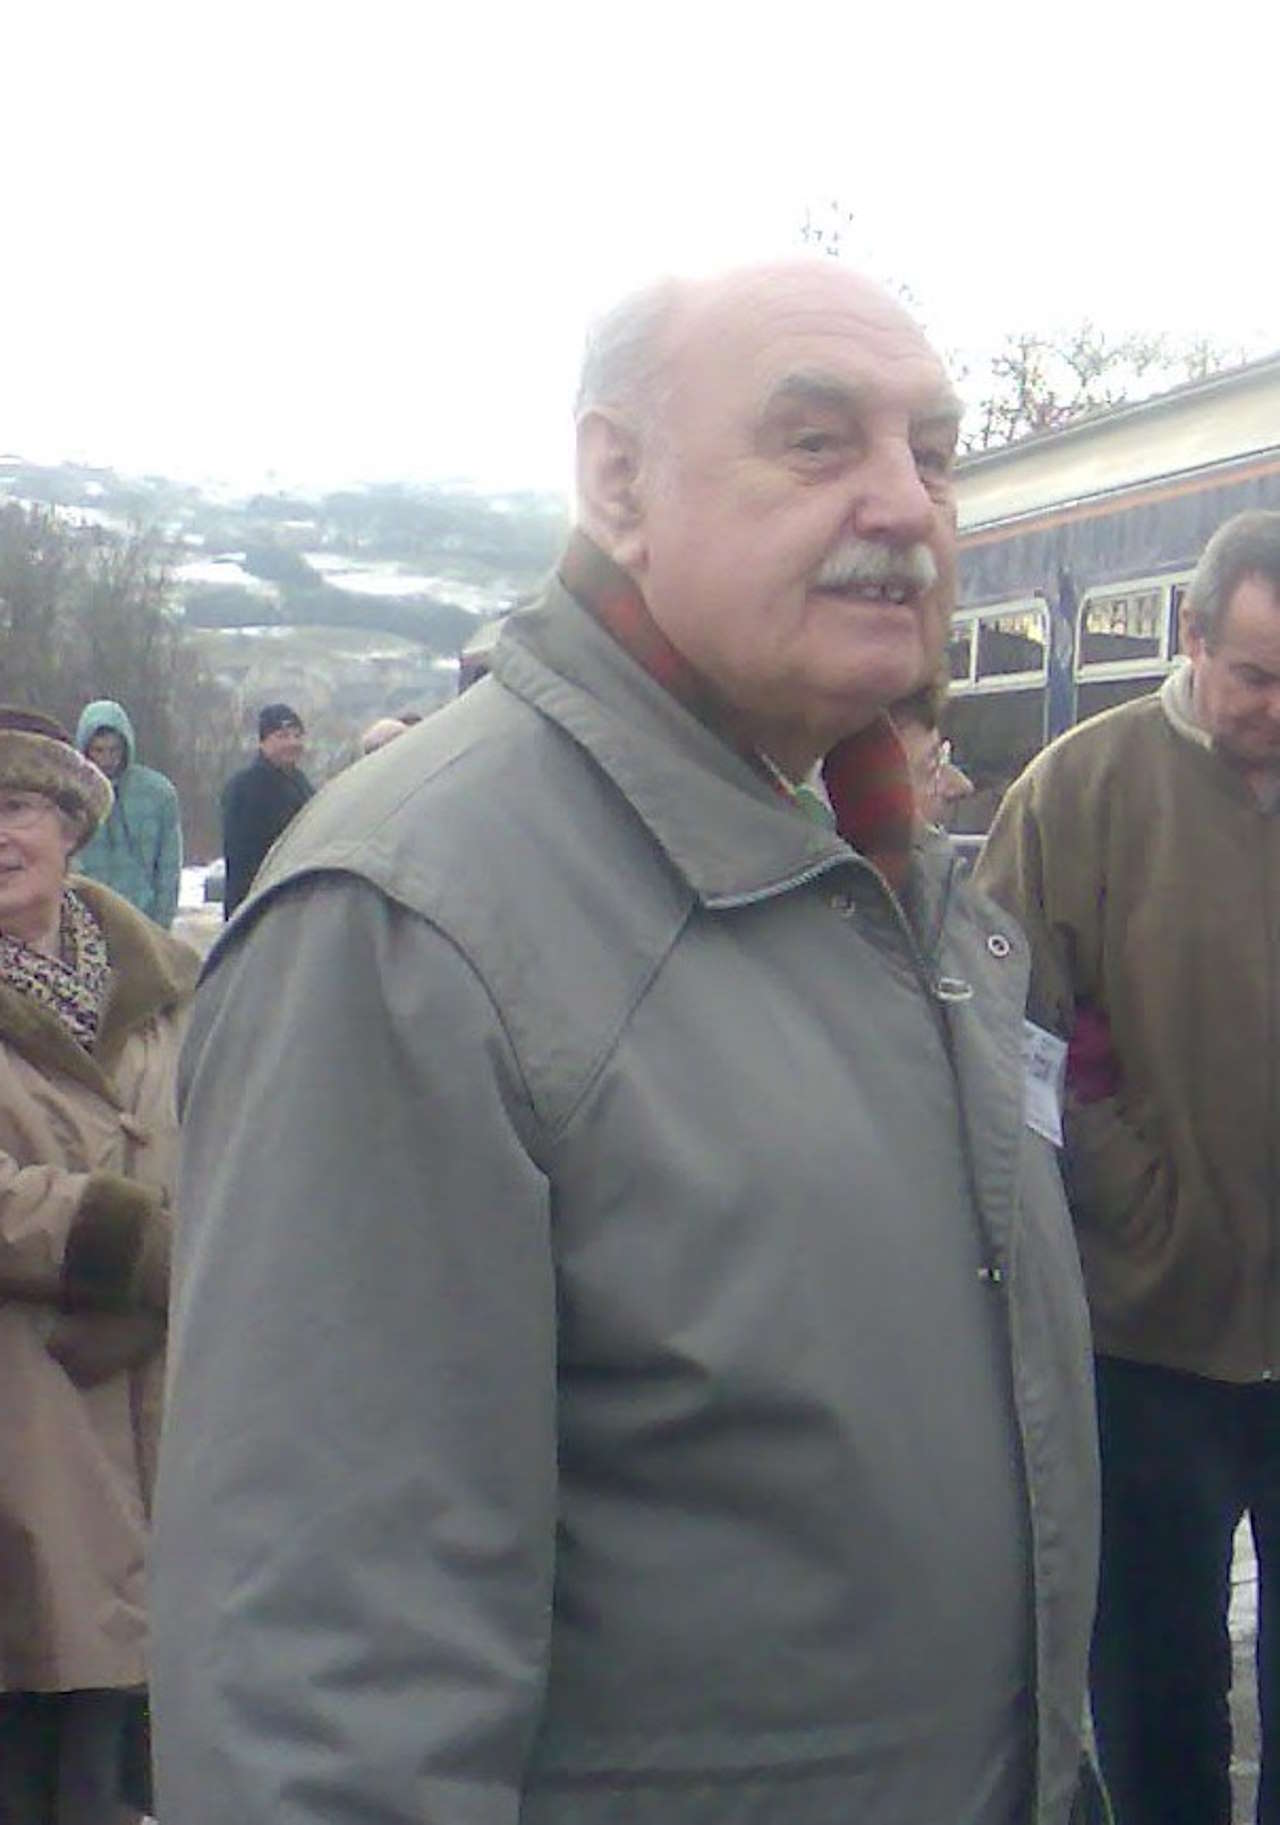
[[1098, 694], [960, 652], [1177, 596], [1123, 625], [1012, 644], [993, 736]]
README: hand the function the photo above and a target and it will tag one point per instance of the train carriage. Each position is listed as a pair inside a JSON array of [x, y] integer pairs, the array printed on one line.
[[1075, 550]]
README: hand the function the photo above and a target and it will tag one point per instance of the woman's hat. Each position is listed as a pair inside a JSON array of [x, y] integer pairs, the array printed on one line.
[[38, 755]]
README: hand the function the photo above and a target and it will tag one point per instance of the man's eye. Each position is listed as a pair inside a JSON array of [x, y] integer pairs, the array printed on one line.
[[934, 462], [815, 443]]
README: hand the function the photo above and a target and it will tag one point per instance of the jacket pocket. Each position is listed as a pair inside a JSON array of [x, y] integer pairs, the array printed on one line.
[[1162, 1271], [1118, 1183]]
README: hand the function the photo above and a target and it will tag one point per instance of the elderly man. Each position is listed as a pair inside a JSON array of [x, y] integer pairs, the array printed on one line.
[[1142, 852], [630, 1360]]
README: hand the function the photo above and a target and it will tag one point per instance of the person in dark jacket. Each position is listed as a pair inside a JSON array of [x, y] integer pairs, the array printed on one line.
[[262, 798]]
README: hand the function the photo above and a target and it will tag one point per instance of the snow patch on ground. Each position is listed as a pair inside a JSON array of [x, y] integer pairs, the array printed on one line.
[[227, 573]]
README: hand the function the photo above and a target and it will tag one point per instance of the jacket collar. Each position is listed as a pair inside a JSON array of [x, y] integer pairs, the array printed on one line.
[[1176, 702], [864, 778], [1179, 708], [150, 973], [721, 824]]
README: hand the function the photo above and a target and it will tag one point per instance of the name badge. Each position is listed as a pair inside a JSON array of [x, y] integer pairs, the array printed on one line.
[[1044, 1074]]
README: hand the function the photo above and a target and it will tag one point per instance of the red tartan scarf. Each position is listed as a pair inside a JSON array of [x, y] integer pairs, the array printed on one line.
[[865, 775]]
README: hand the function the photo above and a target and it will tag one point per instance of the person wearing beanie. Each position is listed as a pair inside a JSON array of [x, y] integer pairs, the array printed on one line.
[[93, 999], [138, 849], [260, 800]]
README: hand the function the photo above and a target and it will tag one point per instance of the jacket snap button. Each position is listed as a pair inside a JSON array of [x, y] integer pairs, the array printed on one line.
[[999, 945]]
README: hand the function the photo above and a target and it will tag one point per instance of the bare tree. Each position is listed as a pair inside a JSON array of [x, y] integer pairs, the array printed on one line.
[[831, 229], [1036, 381], [1041, 383], [86, 613], [826, 227], [34, 559]]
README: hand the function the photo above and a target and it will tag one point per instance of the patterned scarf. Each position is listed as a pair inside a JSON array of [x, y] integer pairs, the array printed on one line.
[[866, 775], [73, 985]]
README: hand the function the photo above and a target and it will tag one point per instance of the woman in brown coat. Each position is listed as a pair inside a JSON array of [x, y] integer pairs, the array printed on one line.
[[92, 996]]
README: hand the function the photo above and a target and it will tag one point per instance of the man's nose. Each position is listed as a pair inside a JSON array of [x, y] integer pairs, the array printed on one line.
[[893, 502]]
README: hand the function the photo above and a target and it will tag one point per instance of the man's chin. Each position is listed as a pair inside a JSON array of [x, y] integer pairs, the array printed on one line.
[[1259, 754], [891, 670]]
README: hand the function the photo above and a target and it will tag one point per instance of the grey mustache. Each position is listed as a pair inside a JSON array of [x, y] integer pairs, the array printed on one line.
[[865, 561]]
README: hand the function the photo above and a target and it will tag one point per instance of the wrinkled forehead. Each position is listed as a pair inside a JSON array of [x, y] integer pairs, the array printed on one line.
[[779, 337]]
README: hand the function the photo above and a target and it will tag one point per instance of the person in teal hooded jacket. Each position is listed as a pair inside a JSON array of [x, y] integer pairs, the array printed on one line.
[[138, 850]]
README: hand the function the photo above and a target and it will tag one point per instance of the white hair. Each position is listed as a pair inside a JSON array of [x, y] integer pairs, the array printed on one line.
[[624, 361]]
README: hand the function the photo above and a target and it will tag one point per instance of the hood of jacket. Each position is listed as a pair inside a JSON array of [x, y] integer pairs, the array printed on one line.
[[1176, 702], [105, 713]]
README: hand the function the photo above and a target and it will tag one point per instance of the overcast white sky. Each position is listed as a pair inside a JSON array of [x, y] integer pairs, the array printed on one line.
[[344, 241]]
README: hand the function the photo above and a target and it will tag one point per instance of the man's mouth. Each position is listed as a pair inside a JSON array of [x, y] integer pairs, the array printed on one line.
[[900, 594], [864, 570]]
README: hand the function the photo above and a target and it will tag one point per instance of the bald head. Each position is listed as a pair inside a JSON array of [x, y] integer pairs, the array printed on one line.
[[379, 733], [636, 350]]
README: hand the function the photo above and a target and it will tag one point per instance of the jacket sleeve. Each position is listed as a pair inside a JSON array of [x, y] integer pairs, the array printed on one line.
[[1018, 870], [168, 868], [235, 842], [355, 1512], [1054, 887], [87, 1242]]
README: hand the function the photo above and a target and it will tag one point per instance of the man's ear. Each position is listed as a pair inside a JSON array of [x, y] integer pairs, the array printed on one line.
[[610, 492]]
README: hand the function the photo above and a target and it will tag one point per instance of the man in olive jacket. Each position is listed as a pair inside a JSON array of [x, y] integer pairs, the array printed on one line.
[[1142, 854], [629, 1353]]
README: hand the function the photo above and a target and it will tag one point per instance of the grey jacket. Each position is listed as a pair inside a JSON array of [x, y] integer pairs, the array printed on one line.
[[629, 1360]]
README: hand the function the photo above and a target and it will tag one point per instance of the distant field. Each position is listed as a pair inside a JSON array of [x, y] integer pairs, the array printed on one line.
[[218, 644]]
